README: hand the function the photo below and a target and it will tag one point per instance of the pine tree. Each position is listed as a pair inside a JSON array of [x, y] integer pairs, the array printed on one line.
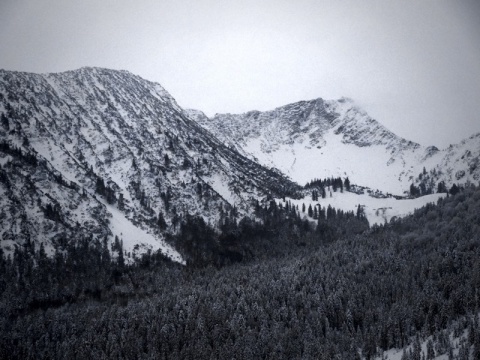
[[414, 190], [430, 350], [121, 202], [347, 184], [120, 259], [199, 189], [423, 189], [359, 211], [110, 195], [321, 213], [454, 189], [100, 186], [161, 221], [441, 188]]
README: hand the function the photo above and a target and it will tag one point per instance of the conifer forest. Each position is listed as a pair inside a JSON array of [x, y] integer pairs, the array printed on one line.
[[280, 289]]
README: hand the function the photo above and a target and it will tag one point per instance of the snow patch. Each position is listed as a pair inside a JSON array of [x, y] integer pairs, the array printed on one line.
[[132, 236], [377, 210]]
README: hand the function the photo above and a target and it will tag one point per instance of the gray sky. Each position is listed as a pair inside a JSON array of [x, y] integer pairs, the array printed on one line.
[[413, 65]]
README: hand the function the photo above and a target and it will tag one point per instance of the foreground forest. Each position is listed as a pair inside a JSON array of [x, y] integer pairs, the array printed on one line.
[[285, 289]]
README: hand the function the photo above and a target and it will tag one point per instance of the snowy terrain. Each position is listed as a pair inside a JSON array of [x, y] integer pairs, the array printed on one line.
[[377, 210], [96, 153], [318, 139], [456, 342], [136, 240]]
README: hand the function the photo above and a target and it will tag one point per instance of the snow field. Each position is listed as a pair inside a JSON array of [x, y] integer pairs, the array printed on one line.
[[132, 235], [377, 210]]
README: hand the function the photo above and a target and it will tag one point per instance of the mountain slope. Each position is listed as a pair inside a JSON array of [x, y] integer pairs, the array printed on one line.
[[111, 145], [319, 138]]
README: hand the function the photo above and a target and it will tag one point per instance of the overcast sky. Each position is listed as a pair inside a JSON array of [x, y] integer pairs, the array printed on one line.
[[413, 65]]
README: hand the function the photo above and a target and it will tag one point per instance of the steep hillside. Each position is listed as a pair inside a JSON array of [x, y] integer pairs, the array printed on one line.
[[97, 152], [319, 138], [459, 163]]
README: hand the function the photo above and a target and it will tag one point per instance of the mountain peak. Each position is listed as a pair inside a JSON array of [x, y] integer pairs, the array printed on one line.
[[114, 153], [320, 138]]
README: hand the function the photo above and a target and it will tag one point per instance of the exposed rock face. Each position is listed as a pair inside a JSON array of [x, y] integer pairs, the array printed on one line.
[[97, 153], [319, 138], [85, 150]]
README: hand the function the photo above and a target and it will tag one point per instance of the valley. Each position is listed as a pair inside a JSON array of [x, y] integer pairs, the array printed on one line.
[[133, 228]]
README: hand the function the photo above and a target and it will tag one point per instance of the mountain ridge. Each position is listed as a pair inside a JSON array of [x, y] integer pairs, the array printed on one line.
[[308, 139], [105, 154], [112, 135]]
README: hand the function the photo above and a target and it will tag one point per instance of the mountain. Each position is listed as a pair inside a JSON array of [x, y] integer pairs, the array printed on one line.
[[322, 138], [101, 153]]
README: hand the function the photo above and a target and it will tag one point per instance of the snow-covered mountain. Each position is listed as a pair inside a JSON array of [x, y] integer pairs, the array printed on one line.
[[317, 139], [97, 153]]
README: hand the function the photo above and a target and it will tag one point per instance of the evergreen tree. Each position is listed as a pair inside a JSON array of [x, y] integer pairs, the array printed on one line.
[[454, 189], [359, 211], [414, 191], [423, 189], [100, 186], [121, 202], [347, 184], [162, 224], [321, 213], [110, 195], [441, 188], [430, 350]]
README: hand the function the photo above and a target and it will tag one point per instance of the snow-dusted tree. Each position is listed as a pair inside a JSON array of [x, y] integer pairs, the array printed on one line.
[[310, 210]]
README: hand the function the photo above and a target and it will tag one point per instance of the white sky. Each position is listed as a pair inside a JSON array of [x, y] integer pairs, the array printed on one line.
[[414, 65]]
